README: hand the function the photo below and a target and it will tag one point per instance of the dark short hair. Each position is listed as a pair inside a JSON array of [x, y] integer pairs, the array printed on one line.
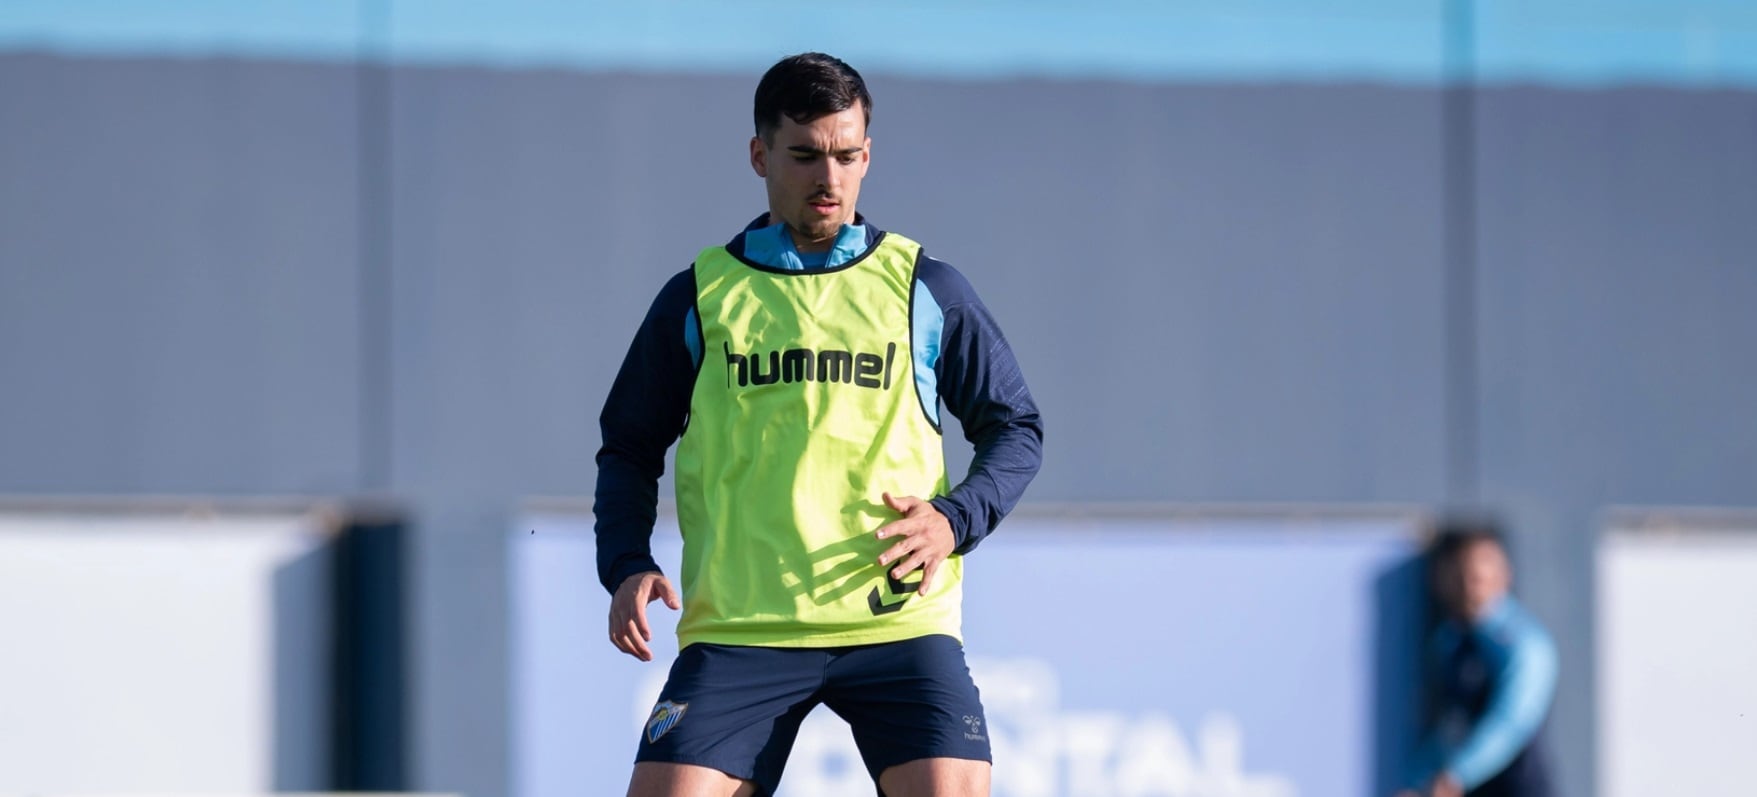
[[807, 87], [1456, 534]]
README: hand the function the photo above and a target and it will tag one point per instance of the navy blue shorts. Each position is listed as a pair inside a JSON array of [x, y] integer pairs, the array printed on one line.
[[737, 709]]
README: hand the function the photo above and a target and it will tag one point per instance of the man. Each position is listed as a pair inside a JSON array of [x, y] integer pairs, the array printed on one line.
[[801, 368], [1493, 672]]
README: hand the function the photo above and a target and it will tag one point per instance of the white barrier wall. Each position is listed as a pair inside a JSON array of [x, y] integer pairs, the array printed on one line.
[[1677, 653], [162, 650], [1257, 655]]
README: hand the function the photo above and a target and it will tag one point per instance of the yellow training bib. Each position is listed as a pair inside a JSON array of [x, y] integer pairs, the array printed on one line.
[[805, 411]]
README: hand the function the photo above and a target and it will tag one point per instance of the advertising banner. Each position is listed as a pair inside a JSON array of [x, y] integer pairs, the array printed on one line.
[[1249, 654], [1677, 645], [161, 650]]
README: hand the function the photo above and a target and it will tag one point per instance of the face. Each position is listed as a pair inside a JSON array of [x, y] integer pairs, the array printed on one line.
[[1475, 580], [813, 173]]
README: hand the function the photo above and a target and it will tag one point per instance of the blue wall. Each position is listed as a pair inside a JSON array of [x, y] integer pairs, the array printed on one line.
[[1674, 42]]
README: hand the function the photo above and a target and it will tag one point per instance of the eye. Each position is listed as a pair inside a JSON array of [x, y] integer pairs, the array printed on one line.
[[845, 159]]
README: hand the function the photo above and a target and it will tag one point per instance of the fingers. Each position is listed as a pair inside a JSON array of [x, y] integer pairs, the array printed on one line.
[[640, 616], [895, 552], [904, 504], [915, 547], [913, 552], [664, 592], [628, 640], [926, 540], [905, 526], [629, 630], [626, 636], [916, 561], [628, 625]]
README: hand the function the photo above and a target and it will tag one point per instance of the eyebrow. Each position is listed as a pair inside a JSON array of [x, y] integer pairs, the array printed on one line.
[[805, 150]]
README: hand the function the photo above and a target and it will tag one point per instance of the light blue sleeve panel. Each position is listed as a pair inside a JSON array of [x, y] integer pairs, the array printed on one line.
[[964, 364], [1524, 687], [692, 337], [927, 322]]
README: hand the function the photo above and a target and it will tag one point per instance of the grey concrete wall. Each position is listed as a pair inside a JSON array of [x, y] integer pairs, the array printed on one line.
[[220, 276], [1617, 342], [178, 272]]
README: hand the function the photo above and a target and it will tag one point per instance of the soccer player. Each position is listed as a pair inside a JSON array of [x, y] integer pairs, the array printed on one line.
[[1493, 670], [801, 367]]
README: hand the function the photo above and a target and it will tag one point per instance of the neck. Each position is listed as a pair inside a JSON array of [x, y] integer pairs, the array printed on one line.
[[811, 247], [803, 245]]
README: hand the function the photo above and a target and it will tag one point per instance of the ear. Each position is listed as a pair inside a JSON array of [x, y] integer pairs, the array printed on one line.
[[759, 156]]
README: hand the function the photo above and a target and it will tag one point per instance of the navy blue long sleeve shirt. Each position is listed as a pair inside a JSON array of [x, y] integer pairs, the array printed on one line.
[[971, 370]]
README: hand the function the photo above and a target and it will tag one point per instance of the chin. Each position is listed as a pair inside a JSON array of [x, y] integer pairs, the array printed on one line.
[[823, 230]]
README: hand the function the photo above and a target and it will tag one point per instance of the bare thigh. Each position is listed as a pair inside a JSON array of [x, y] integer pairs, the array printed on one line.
[[936, 777], [655, 779]]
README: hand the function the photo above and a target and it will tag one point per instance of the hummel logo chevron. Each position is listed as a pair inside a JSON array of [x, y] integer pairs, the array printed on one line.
[[900, 589]]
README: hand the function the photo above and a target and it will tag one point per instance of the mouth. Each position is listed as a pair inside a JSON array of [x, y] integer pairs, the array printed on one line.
[[823, 205]]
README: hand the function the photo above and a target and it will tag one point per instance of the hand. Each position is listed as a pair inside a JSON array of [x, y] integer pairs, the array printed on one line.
[[1446, 786], [927, 539], [629, 631]]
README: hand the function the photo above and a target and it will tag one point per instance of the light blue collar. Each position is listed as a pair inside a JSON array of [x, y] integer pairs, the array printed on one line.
[[773, 247], [1498, 614]]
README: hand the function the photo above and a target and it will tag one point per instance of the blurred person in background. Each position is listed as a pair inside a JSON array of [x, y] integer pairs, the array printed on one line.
[[1491, 671], [800, 367]]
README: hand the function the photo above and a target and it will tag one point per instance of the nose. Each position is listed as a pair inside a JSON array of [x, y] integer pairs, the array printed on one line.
[[826, 174]]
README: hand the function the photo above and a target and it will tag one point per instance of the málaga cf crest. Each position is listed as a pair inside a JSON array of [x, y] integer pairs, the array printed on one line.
[[665, 717]]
